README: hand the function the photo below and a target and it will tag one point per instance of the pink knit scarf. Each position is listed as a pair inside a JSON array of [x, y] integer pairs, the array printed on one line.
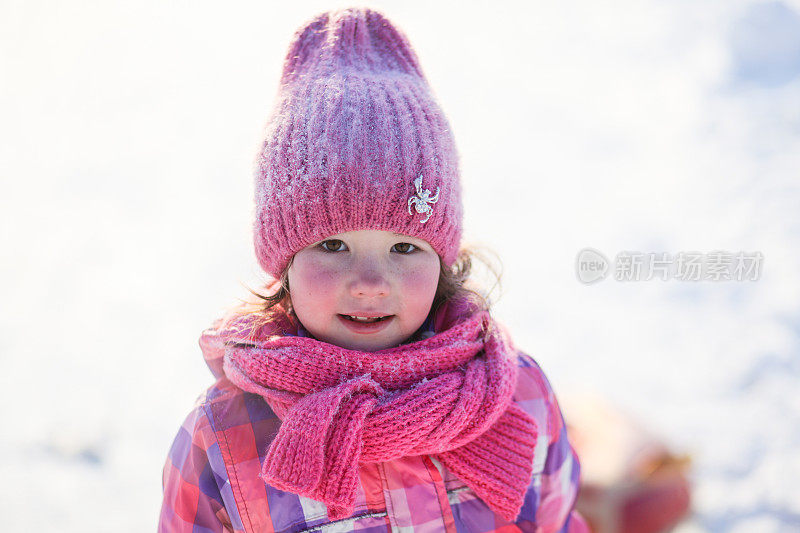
[[448, 395]]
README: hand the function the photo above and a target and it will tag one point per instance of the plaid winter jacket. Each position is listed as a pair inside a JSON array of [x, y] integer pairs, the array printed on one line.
[[211, 477]]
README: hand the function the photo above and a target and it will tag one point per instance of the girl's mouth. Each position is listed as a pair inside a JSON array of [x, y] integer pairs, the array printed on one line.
[[366, 319], [360, 324]]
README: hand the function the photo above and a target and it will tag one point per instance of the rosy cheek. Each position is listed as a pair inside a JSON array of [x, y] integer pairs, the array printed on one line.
[[315, 279], [419, 286]]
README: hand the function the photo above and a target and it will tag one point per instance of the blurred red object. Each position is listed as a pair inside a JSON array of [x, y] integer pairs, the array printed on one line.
[[630, 481]]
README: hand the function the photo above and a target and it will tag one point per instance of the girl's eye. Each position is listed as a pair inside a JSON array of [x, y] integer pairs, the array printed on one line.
[[333, 245], [404, 247]]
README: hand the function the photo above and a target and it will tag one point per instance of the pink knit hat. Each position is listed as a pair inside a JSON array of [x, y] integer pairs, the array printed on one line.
[[356, 140]]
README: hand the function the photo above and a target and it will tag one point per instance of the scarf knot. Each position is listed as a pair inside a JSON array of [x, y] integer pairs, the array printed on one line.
[[449, 395]]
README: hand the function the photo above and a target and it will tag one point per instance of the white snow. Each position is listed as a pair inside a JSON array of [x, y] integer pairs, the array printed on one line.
[[128, 136]]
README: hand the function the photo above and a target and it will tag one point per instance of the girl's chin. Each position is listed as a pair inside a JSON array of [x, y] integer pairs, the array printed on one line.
[[363, 337], [368, 343]]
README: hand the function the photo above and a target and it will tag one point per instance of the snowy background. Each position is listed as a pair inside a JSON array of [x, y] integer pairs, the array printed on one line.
[[127, 132]]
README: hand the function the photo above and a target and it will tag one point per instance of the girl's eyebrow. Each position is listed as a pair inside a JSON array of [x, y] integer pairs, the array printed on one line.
[[408, 237]]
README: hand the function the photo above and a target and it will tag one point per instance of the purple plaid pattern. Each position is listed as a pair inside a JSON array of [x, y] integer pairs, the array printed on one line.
[[211, 476]]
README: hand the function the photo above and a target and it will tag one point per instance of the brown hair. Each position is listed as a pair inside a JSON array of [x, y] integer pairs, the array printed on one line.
[[457, 282]]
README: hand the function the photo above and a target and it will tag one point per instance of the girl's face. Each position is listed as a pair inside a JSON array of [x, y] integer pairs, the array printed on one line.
[[388, 278]]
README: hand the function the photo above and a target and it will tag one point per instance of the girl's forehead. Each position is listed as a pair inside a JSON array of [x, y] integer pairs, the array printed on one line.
[[369, 234]]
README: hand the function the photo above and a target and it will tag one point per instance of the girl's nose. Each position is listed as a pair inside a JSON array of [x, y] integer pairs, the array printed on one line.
[[369, 282]]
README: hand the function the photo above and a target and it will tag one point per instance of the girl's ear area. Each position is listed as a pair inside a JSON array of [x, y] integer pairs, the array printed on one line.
[[284, 281]]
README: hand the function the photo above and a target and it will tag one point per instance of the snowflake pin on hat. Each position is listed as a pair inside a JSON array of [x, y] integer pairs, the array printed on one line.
[[422, 200]]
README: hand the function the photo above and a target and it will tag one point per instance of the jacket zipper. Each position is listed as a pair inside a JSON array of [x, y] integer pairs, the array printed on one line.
[[342, 521]]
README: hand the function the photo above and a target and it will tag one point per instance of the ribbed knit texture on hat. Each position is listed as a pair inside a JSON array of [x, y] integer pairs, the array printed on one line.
[[353, 125]]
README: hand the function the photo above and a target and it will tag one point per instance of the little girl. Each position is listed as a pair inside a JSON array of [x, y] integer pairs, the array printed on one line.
[[371, 390]]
